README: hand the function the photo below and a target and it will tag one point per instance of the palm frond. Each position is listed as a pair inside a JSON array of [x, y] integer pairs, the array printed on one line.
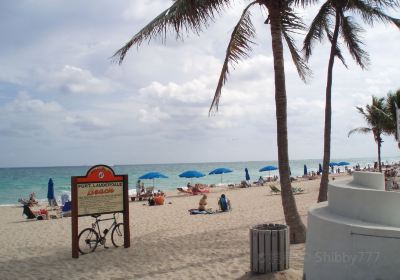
[[316, 29], [238, 48], [350, 33], [392, 100], [338, 52], [183, 16], [363, 130], [305, 3], [372, 11], [360, 110], [291, 23], [384, 3]]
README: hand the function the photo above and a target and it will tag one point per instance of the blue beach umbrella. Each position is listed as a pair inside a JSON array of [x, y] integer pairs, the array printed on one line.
[[247, 175], [153, 175], [320, 168], [221, 171], [50, 189], [343, 163], [191, 174], [333, 164], [268, 168], [305, 170]]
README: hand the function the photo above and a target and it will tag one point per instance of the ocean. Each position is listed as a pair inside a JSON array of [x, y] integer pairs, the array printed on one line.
[[20, 182]]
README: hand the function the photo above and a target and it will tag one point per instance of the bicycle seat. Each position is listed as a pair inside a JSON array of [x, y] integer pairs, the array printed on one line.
[[96, 215]]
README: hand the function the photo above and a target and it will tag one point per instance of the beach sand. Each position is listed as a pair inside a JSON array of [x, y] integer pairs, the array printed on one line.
[[166, 242]]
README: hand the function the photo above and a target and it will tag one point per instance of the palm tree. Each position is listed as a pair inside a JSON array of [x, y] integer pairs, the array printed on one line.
[[377, 120], [333, 14], [194, 15], [392, 101]]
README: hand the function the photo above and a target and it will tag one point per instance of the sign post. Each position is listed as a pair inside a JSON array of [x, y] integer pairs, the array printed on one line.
[[99, 192]]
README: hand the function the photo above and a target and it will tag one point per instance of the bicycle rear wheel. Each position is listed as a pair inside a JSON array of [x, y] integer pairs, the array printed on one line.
[[117, 235], [87, 240]]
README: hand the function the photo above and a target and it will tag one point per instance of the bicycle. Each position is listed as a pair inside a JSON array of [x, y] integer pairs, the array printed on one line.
[[89, 238]]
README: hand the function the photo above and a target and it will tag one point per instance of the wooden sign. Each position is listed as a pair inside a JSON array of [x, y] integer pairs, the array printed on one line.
[[99, 192]]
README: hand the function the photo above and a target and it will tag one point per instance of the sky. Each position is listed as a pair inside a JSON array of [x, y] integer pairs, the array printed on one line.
[[64, 102]]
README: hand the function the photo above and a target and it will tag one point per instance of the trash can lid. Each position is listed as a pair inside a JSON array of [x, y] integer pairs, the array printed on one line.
[[270, 227]]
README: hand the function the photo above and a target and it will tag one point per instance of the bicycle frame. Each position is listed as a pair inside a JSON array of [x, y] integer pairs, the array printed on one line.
[[97, 223]]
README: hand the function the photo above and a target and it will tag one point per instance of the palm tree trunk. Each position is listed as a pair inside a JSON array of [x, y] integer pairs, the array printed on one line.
[[323, 189], [292, 217]]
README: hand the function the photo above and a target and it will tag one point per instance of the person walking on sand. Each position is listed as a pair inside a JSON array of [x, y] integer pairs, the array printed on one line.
[[203, 203]]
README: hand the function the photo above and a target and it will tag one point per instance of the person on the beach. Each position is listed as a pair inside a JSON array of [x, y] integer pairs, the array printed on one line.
[[138, 187], [142, 190], [151, 201], [203, 203], [224, 203], [196, 189], [32, 199], [159, 199]]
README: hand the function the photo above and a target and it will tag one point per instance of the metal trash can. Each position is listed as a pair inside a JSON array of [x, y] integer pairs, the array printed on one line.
[[269, 248]]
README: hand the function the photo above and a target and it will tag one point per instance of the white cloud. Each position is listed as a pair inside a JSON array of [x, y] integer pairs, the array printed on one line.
[[71, 79], [25, 104], [87, 123], [190, 92], [152, 115], [145, 9]]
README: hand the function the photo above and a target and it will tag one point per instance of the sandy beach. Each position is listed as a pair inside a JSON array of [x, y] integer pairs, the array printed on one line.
[[166, 242]]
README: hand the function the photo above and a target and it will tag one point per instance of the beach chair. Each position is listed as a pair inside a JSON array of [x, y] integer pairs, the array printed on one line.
[[244, 184], [66, 209], [39, 215], [297, 190], [274, 190], [149, 192]]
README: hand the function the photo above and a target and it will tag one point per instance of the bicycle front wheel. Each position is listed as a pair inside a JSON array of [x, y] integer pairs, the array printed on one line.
[[117, 235], [88, 239]]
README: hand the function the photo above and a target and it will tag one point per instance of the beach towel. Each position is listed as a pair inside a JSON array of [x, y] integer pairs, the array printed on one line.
[[197, 211]]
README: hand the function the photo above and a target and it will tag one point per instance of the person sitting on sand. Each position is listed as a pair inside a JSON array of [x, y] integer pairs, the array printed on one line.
[[203, 203], [32, 199], [260, 181], [151, 201], [224, 203], [196, 189], [159, 199]]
